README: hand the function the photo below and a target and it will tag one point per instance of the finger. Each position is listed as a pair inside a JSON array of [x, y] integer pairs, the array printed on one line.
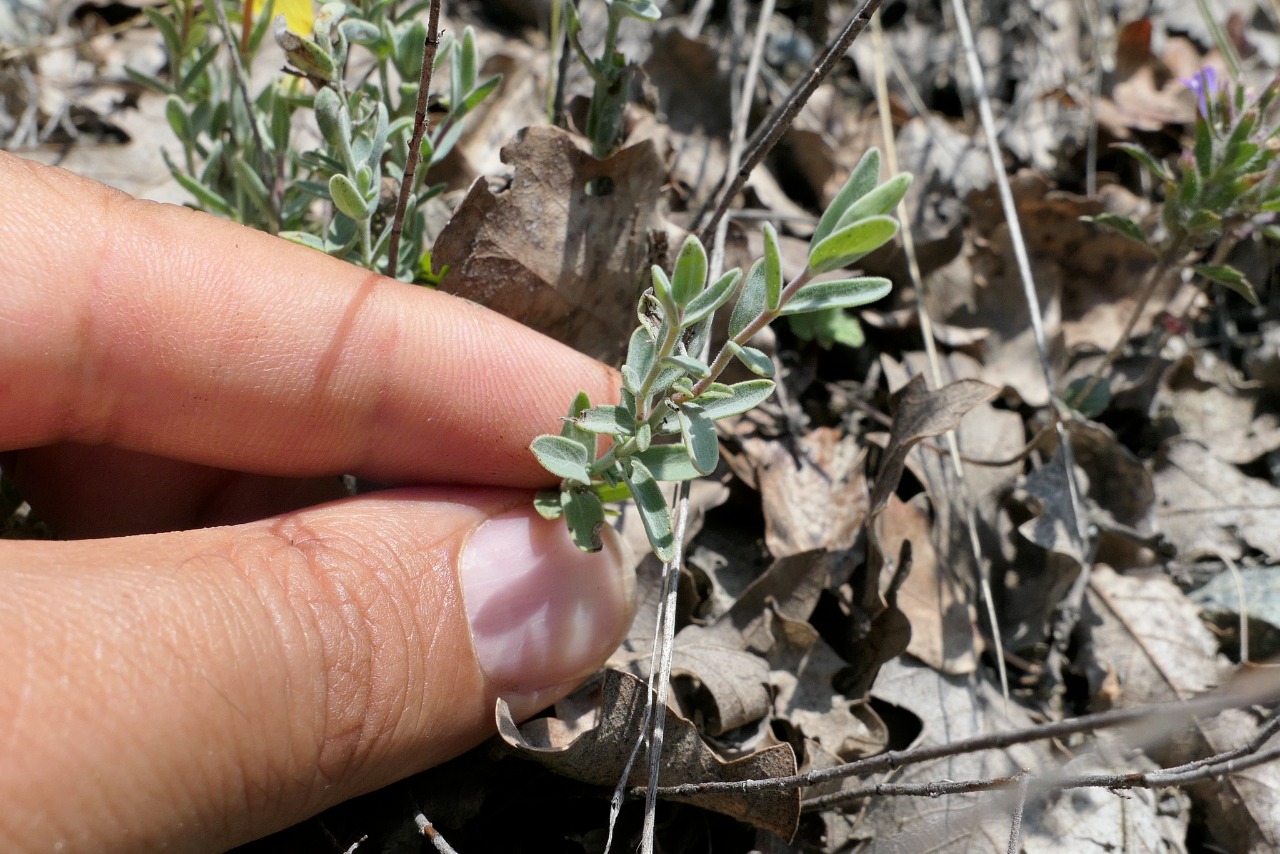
[[84, 491], [163, 330], [213, 686]]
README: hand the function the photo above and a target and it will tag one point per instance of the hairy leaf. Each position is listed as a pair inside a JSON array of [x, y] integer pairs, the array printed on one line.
[[562, 457], [772, 268], [347, 198], [695, 367], [547, 503], [705, 303], [851, 242], [690, 274], [668, 462], [751, 302], [861, 181], [584, 515], [699, 434], [879, 202], [839, 293], [758, 362], [655, 515], [613, 420], [743, 396]]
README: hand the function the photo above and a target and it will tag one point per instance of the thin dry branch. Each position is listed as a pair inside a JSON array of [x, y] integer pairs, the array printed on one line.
[[1162, 715], [432, 45], [1208, 768], [768, 134]]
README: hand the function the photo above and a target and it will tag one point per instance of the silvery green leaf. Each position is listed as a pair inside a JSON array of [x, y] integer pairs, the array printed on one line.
[[330, 113], [861, 181], [695, 339], [742, 397], [667, 378], [198, 68], [851, 242], [168, 30], [699, 434], [630, 379], [570, 428], [364, 178], [584, 515], [705, 304], [252, 187], [879, 202], [644, 437], [362, 32], [347, 198], [757, 362], [547, 503], [466, 61], [613, 420], [839, 293], [146, 81], [179, 121], [751, 301], [640, 356], [381, 129], [208, 198], [662, 290], [696, 367], [472, 99], [302, 238], [644, 10], [668, 462], [442, 147], [772, 268], [409, 50], [562, 457], [690, 274], [655, 515]]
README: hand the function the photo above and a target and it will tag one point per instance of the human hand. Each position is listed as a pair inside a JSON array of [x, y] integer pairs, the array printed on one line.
[[162, 372]]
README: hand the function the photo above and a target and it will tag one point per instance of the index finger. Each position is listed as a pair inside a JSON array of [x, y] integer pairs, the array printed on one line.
[[163, 330]]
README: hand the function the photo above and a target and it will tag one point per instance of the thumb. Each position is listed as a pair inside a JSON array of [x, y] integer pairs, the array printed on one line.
[[203, 688]]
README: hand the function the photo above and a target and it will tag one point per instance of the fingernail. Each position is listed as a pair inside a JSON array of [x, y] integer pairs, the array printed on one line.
[[542, 612]]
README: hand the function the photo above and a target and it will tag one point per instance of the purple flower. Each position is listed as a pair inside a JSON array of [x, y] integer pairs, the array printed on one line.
[[1206, 85]]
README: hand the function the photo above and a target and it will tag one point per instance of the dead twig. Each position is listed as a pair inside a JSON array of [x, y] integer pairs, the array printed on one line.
[[432, 45], [768, 134], [1165, 714], [1164, 778]]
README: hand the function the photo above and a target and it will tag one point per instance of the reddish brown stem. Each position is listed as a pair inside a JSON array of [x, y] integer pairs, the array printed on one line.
[[415, 143]]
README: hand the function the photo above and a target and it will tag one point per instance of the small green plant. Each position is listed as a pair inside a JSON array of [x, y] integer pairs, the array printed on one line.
[[1224, 188], [664, 427], [610, 72], [241, 157]]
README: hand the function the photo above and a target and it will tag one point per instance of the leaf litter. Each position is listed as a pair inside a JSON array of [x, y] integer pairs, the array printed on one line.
[[831, 607]]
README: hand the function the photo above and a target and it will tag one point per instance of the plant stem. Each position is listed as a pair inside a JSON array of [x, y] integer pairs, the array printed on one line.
[[748, 332], [415, 142]]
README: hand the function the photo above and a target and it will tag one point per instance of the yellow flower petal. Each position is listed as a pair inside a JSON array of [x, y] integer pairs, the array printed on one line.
[[299, 15]]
